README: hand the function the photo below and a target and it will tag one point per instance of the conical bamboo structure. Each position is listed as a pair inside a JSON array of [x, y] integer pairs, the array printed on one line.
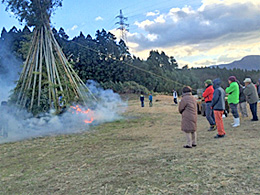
[[47, 76]]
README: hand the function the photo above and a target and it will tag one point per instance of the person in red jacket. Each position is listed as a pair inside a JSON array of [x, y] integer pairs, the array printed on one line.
[[208, 95]]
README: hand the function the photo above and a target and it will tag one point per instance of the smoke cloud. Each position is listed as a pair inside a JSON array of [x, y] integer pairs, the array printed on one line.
[[16, 125]]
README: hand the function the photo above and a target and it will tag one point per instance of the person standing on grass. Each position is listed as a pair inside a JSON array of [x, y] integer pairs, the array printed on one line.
[[233, 99], [188, 110], [175, 96], [242, 100], [218, 105], [150, 100], [258, 87], [252, 97], [208, 95], [142, 100]]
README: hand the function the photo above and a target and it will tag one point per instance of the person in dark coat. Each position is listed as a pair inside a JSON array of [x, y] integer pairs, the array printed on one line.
[[142, 100], [242, 100], [188, 110], [252, 97], [218, 105]]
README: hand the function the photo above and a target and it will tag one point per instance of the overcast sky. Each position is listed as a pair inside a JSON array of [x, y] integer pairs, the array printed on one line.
[[195, 32]]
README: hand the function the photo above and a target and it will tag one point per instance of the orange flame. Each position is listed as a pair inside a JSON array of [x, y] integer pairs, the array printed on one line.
[[88, 112]]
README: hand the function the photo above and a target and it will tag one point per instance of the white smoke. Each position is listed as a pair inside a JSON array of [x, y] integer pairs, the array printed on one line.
[[20, 125]]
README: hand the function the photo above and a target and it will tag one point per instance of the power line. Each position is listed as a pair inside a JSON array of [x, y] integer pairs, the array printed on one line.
[[138, 68]]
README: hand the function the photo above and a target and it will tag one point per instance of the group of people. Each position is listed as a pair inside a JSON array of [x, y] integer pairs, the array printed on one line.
[[150, 100], [214, 96]]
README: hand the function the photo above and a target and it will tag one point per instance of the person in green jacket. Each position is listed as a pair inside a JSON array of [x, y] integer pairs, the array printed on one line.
[[233, 99]]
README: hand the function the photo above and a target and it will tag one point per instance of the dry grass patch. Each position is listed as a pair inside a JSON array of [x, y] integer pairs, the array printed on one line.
[[141, 154]]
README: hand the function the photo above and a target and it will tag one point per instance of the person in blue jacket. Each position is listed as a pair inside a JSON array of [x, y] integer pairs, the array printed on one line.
[[150, 100]]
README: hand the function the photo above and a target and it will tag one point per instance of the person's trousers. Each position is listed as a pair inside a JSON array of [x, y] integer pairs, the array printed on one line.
[[175, 100], [253, 108], [210, 114], [243, 109], [219, 122], [142, 104], [234, 110], [191, 138]]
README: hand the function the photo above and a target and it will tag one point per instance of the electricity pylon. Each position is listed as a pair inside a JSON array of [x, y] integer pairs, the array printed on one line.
[[123, 25]]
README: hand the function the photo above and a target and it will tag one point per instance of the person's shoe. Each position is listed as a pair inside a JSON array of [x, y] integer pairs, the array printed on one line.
[[194, 145], [212, 128], [236, 122], [254, 119], [219, 136], [187, 146]]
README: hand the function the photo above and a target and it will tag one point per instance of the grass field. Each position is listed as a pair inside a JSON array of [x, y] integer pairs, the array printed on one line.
[[140, 154]]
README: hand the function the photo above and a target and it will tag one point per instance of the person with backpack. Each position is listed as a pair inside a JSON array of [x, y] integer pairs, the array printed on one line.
[[208, 95], [233, 99], [218, 105]]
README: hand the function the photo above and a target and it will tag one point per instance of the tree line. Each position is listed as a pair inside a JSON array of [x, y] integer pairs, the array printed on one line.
[[103, 59]]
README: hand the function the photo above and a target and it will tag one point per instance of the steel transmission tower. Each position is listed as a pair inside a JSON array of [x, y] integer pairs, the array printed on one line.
[[123, 25]]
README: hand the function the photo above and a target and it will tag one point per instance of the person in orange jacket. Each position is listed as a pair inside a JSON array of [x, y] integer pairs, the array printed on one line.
[[208, 95]]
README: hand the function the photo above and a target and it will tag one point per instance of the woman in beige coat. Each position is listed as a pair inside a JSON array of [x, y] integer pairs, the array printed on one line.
[[188, 110]]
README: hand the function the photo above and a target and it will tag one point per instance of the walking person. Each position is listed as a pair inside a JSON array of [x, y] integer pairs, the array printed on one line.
[[242, 100], [218, 105], [252, 97], [208, 95], [188, 110], [233, 99], [142, 100], [175, 97]]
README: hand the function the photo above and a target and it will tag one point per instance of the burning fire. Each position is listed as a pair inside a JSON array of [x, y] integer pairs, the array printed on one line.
[[88, 113]]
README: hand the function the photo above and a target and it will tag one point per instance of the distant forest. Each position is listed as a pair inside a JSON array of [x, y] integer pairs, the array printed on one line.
[[103, 59]]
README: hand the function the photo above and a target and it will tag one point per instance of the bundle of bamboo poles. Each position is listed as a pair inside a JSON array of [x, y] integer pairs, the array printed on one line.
[[47, 77]]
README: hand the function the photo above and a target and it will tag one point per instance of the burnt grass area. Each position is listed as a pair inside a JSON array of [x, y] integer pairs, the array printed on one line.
[[140, 154]]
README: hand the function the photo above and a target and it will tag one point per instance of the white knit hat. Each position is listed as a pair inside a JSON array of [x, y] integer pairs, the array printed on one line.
[[247, 80]]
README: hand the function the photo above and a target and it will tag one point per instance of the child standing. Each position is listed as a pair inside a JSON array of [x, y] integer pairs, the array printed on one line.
[[218, 105], [188, 110]]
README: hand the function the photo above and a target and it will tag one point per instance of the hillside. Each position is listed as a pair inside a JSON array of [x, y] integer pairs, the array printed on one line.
[[251, 62]]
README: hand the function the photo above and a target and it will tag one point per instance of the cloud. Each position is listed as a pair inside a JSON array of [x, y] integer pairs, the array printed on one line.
[[74, 27], [99, 18], [157, 12], [215, 22]]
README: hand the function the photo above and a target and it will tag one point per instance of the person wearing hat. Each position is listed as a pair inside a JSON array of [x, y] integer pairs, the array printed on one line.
[[208, 95], [233, 99], [188, 111], [251, 97]]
